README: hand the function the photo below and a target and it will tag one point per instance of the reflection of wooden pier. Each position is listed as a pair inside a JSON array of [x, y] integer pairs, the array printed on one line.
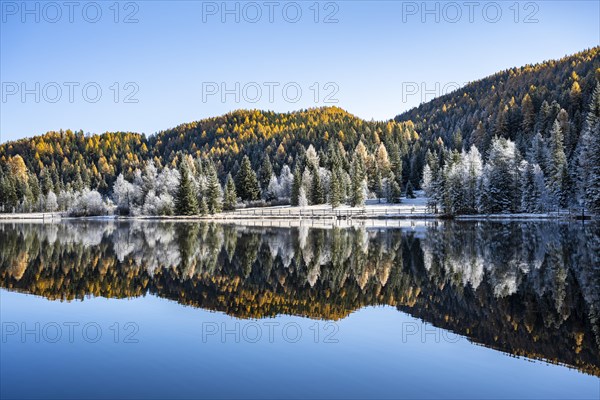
[[34, 217], [412, 224], [322, 213]]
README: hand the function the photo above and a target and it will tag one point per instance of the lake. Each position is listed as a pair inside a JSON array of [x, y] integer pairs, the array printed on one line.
[[141, 309]]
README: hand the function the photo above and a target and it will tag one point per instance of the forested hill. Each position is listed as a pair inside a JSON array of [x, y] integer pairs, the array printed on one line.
[[75, 160], [514, 104], [282, 136]]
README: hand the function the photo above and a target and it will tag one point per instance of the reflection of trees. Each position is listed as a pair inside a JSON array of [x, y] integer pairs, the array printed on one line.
[[527, 289]]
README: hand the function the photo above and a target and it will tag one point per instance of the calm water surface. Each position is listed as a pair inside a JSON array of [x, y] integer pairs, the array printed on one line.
[[177, 310]]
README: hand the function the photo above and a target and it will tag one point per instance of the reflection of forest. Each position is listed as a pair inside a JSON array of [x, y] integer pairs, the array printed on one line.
[[528, 289]]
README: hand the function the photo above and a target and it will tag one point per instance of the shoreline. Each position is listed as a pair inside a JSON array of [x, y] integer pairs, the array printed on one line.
[[322, 217]]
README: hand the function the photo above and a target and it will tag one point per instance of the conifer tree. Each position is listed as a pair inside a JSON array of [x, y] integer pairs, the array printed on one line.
[[589, 157], [558, 166], [264, 173], [246, 182], [357, 196], [214, 197], [230, 196], [186, 202], [296, 185], [317, 191]]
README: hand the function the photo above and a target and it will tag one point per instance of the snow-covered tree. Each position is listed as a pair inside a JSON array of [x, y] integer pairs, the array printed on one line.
[[51, 202], [500, 182], [123, 195], [286, 180], [302, 200], [88, 203]]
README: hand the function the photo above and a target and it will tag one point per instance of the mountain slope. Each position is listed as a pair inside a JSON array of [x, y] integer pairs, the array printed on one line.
[[515, 104]]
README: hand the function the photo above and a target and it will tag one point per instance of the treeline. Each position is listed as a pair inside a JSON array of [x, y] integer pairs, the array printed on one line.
[[539, 180], [194, 188]]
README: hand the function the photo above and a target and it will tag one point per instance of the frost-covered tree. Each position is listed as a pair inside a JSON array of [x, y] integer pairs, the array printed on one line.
[[557, 173], [273, 189], [51, 201], [286, 180], [534, 196], [123, 195], [302, 200], [88, 203], [500, 190], [589, 157]]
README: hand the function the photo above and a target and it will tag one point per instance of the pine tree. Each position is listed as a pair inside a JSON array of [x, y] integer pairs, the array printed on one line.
[[214, 198], [589, 157], [246, 182], [357, 196], [230, 196], [317, 192], [296, 185], [264, 173], [558, 166], [203, 207], [186, 202], [335, 196]]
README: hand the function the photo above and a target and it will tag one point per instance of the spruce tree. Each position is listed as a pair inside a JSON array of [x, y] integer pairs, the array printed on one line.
[[213, 191], [186, 202], [317, 191], [246, 182], [589, 157], [230, 196], [557, 166], [264, 173], [357, 198], [296, 185], [335, 196]]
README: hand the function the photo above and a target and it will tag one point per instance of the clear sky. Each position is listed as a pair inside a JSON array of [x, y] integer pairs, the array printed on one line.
[[159, 64]]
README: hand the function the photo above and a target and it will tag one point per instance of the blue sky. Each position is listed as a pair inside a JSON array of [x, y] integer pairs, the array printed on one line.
[[165, 63]]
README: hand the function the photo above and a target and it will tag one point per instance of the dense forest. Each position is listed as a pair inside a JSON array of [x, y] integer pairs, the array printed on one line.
[[523, 140], [528, 289]]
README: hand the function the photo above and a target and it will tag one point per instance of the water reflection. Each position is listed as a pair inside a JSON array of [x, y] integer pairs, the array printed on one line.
[[529, 289]]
